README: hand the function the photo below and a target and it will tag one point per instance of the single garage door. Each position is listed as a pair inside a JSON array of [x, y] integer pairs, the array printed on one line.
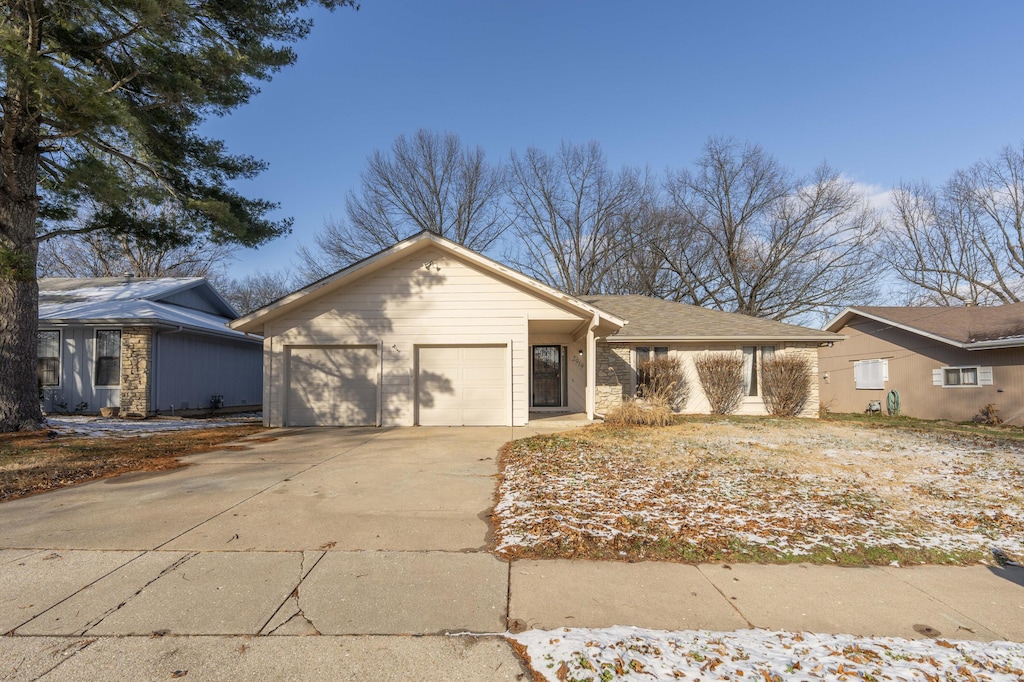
[[462, 385], [332, 386]]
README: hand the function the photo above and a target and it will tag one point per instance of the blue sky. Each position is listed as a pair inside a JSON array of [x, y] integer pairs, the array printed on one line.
[[884, 91]]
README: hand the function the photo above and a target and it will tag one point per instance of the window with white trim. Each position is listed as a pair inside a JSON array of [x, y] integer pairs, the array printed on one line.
[[962, 377], [108, 357], [48, 358], [870, 374]]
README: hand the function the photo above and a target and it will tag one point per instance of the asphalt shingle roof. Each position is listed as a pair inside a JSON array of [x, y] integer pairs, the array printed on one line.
[[966, 324], [124, 300], [654, 318]]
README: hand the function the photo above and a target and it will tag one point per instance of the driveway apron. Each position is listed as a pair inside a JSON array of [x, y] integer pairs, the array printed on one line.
[[330, 531]]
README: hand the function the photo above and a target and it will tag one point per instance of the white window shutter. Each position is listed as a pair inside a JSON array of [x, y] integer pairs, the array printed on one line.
[[984, 376], [870, 374], [858, 373], [936, 377]]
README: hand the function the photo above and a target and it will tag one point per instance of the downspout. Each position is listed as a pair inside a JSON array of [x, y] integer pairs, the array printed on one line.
[[592, 368], [153, 392]]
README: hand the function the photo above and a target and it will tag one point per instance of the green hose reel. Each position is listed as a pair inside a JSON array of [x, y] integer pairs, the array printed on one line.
[[892, 403]]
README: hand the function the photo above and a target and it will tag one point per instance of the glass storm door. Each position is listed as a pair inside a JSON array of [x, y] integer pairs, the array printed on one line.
[[547, 376]]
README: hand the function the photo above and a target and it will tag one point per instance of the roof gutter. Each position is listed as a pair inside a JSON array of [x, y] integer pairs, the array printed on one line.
[[994, 344], [717, 339], [149, 322]]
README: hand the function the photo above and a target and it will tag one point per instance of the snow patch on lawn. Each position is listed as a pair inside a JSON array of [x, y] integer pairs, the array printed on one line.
[[791, 491], [629, 653], [99, 427]]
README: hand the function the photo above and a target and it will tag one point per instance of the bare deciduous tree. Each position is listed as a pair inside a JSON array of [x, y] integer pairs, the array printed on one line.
[[751, 237], [430, 181], [573, 215], [255, 290], [100, 254], [963, 243]]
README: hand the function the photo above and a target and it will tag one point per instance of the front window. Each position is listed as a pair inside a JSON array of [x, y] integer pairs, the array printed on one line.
[[48, 362], [960, 376], [645, 354], [751, 366], [108, 357]]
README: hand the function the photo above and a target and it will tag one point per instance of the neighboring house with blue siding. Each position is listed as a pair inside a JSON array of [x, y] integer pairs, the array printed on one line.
[[145, 345]]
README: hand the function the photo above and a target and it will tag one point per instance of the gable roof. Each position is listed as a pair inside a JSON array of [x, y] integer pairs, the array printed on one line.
[[133, 300], [655, 319], [968, 327], [254, 321]]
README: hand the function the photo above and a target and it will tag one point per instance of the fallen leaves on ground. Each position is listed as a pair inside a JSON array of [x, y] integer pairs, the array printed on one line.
[[764, 489], [627, 653], [38, 461]]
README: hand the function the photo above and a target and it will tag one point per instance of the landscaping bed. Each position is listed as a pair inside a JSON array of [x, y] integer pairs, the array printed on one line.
[[748, 489], [38, 461]]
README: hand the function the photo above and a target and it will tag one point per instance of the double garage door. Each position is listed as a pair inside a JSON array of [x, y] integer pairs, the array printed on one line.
[[454, 386]]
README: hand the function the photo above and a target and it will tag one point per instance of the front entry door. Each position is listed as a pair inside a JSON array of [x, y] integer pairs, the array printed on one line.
[[547, 376]]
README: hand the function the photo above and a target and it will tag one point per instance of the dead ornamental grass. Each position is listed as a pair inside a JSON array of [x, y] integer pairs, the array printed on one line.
[[762, 490]]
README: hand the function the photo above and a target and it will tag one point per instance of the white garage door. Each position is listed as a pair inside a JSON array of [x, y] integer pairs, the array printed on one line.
[[462, 385], [332, 386]]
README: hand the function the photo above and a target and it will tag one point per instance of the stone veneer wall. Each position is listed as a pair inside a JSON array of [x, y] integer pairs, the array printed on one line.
[[614, 376], [136, 371], [813, 405]]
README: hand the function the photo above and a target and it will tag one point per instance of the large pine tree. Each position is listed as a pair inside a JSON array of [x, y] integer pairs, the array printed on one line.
[[101, 103]]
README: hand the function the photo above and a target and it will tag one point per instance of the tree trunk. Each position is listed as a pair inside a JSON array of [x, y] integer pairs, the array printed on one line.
[[19, 392], [19, 210]]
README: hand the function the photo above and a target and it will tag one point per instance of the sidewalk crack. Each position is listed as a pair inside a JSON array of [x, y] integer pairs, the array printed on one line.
[[298, 617], [67, 654], [728, 601], [170, 569]]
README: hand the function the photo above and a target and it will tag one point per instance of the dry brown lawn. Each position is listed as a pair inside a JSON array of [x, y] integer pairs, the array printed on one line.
[[35, 462], [764, 490]]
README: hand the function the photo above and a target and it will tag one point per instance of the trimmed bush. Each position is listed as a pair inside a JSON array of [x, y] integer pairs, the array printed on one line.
[[641, 412], [662, 379], [785, 384], [721, 377]]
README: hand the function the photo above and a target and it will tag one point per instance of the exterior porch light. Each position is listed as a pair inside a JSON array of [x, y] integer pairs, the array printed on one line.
[[581, 352]]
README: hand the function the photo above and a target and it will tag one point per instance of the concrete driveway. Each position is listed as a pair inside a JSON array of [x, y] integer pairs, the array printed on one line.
[[367, 536]]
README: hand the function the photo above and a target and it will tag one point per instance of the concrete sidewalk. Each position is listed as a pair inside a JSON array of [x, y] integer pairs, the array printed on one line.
[[103, 593], [353, 554]]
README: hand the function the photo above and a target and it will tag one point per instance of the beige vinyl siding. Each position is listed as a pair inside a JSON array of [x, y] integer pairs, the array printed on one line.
[[911, 360], [427, 298]]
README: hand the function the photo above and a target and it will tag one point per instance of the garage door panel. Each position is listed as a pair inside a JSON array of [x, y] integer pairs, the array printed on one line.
[[432, 354], [483, 376], [332, 386], [462, 385], [480, 355]]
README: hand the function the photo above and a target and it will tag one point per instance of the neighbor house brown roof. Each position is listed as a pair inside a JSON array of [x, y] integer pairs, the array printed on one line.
[[656, 319], [965, 326]]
